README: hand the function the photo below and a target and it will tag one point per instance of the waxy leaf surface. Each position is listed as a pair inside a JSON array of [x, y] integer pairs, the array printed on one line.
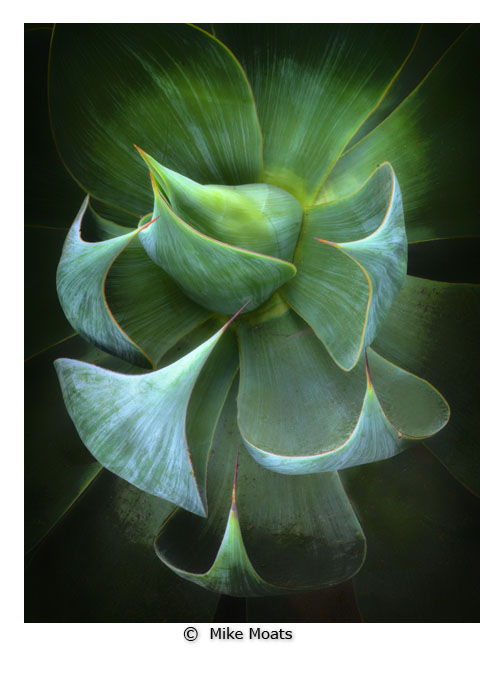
[[80, 282], [432, 41], [344, 292], [218, 276], [266, 534], [432, 330], [116, 297], [173, 89], [435, 161], [309, 416], [147, 303], [256, 217], [313, 88], [136, 425]]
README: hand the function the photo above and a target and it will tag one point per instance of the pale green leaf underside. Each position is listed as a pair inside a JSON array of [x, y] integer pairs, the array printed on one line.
[[116, 297], [266, 534], [136, 425], [147, 304], [257, 217], [80, 281], [345, 292], [310, 416], [216, 275], [58, 466], [231, 573], [173, 89]]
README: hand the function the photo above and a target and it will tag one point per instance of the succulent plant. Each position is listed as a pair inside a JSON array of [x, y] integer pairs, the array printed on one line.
[[266, 380]]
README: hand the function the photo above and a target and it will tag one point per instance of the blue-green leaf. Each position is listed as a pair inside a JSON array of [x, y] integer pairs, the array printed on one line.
[[345, 293], [256, 217], [136, 425], [299, 413], [80, 282], [266, 534], [216, 275]]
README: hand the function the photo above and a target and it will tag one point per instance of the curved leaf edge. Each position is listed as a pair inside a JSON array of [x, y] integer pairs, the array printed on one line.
[[32, 550], [371, 111], [255, 585], [55, 142], [200, 489], [450, 471], [215, 38], [75, 233], [341, 248], [225, 246], [407, 97], [263, 456]]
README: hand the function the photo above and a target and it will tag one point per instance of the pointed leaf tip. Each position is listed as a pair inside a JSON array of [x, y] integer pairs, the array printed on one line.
[[362, 272], [215, 275], [138, 427]]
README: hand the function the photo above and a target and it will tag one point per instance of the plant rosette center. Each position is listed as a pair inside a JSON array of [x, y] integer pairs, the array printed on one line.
[[224, 245]]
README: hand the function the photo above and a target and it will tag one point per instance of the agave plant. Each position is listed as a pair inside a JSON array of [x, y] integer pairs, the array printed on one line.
[[258, 383]]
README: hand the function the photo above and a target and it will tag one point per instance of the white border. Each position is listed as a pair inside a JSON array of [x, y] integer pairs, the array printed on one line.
[[131, 661]]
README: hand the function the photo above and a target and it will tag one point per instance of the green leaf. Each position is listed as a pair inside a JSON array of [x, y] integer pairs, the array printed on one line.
[[345, 293], [216, 275], [116, 297], [173, 89], [432, 41], [256, 217], [147, 304], [80, 282], [299, 413], [136, 425], [430, 139], [421, 527], [58, 468], [98, 228], [313, 87], [207, 400], [432, 330], [265, 534], [100, 566]]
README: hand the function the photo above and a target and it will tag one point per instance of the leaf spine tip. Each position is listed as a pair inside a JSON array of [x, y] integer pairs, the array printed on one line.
[[322, 240], [148, 223], [236, 314], [233, 498]]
